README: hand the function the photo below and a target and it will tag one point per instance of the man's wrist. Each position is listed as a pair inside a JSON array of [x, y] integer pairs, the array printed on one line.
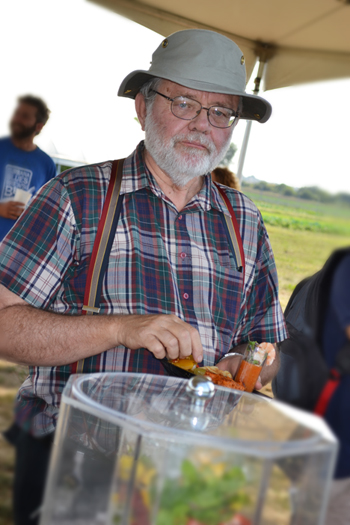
[[230, 355], [116, 329]]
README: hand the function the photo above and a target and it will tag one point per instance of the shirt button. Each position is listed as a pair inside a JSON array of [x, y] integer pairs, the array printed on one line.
[[182, 255], [185, 296], [180, 217]]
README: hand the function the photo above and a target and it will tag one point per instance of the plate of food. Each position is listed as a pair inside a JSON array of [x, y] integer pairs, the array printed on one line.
[[248, 371], [187, 368]]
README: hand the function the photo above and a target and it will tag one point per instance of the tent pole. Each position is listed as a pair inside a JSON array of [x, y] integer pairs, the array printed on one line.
[[257, 82]]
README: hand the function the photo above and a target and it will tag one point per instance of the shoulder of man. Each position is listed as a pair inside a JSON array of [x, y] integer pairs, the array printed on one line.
[[86, 186], [47, 163], [83, 176], [242, 205], [43, 153], [45, 158]]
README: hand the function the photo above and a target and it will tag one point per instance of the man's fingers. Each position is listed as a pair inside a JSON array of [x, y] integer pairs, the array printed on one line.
[[15, 209], [185, 342], [155, 346], [160, 334], [189, 339], [170, 343], [197, 348], [258, 384]]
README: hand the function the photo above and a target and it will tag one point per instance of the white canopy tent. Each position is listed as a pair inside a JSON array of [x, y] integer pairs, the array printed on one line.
[[296, 42], [303, 40]]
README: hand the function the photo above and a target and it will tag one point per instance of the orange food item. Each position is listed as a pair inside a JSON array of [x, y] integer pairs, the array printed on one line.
[[248, 374], [271, 352], [187, 363], [221, 380]]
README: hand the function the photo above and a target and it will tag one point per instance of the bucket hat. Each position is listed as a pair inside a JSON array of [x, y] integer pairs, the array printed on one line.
[[201, 60]]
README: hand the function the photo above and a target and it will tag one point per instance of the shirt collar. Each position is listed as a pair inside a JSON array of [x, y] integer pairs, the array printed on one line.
[[136, 176]]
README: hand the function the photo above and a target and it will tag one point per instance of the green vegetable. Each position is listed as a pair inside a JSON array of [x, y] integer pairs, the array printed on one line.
[[203, 495]]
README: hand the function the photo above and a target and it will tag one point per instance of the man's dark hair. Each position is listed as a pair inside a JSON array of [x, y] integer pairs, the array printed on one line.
[[42, 113]]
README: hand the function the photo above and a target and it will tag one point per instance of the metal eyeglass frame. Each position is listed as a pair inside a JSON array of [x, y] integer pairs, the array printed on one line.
[[234, 122]]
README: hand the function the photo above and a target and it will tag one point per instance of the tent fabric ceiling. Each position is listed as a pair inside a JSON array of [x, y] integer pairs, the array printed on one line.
[[305, 40]]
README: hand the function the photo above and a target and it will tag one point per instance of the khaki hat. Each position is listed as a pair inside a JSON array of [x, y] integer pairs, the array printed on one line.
[[201, 60]]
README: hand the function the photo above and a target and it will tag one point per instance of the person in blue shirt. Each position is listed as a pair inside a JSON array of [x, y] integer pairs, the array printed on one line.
[[336, 336], [23, 165]]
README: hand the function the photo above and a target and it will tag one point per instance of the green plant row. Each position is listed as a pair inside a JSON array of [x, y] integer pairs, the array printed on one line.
[[305, 225]]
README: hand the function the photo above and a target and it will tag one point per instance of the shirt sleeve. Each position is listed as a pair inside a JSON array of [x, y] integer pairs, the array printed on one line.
[[41, 247], [262, 319]]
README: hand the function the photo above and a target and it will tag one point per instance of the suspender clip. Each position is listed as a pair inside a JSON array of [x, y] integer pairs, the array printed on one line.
[[91, 309]]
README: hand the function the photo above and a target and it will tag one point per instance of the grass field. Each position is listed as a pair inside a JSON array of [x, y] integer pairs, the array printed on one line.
[[302, 233], [299, 254]]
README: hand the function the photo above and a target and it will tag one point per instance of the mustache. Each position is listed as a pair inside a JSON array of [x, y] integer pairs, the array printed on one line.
[[199, 138]]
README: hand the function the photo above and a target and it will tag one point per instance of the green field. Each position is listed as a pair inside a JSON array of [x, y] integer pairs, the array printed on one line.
[[303, 234]]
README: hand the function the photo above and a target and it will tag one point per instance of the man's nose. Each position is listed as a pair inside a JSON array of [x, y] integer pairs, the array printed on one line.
[[200, 123]]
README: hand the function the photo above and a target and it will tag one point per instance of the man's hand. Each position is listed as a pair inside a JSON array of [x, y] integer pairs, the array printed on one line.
[[11, 209], [163, 335], [59, 339], [231, 364]]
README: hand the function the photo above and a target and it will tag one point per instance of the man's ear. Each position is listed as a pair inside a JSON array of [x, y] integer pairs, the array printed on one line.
[[140, 106], [39, 126]]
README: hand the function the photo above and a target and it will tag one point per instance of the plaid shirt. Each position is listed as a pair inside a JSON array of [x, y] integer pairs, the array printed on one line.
[[161, 262]]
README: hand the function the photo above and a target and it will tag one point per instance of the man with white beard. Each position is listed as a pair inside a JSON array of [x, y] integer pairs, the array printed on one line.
[[190, 269]]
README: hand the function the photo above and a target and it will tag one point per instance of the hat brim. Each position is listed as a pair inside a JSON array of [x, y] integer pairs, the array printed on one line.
[[254, 107]]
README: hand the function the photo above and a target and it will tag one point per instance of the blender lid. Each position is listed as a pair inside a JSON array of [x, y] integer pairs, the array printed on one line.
[[186, 411]]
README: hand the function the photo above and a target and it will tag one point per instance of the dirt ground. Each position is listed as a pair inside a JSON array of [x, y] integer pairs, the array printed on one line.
[[11, 377]]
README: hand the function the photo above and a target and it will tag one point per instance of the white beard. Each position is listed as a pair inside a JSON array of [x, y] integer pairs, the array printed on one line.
[[182, 164]]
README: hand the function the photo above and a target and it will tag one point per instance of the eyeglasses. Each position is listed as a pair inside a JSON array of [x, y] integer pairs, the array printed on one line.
[[188, 109]]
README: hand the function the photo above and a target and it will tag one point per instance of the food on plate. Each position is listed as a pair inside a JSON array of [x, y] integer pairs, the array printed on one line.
[[186, 363], [248, 374], [219, 377], [271, 352], [255, 357], [217, 371]]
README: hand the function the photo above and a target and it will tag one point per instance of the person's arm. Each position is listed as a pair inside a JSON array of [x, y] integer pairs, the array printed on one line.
[[11, 209], [267, 374], [33, 336]]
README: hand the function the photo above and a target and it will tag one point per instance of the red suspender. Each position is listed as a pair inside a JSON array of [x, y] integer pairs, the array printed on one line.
[[233, 230], [102, 246]]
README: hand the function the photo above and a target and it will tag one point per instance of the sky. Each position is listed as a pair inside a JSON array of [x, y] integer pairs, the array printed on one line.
[[75, 54]]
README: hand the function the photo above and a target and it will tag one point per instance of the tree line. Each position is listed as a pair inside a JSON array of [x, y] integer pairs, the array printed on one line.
[[312, 193]]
